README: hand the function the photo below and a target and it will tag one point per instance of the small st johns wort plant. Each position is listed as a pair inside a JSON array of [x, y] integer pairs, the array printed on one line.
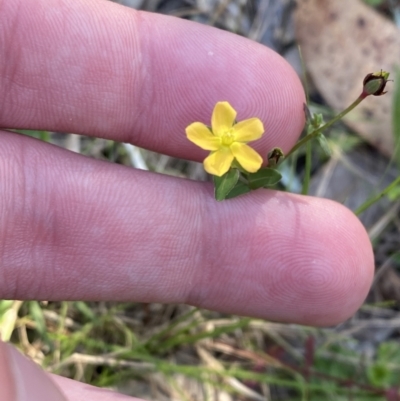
[[235, 166]]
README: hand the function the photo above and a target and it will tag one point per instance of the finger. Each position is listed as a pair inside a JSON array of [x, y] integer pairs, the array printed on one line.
[[97, 68], [76, 228], [22, 380], [76, 391]]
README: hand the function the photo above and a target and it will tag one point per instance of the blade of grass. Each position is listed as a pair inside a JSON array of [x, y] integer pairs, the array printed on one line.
[[85, 310], [159, 337], [375, 198], [192, 338], [37, 316]]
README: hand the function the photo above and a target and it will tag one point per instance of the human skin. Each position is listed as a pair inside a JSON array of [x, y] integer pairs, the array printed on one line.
[[76, 228]]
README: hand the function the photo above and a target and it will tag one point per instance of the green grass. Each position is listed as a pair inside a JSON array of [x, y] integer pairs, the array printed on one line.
[[107, 344]]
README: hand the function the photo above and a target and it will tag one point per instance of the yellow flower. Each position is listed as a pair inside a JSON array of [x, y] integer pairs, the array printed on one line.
[[227, 140]]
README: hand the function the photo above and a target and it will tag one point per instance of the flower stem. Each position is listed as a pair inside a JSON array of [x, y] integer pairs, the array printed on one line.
[[307, 170], [313, 134], [374, 199]]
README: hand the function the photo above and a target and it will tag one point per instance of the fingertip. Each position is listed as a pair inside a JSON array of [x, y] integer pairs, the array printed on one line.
[[352, 262], [335, 264], [291, 259]]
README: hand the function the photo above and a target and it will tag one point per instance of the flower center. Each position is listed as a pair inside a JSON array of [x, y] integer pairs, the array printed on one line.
[[228, 138]]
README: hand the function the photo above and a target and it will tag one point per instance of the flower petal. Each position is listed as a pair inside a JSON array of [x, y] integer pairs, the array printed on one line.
[[199, 134], [248, 158], [218, 162], [248, 130], [222, 118]]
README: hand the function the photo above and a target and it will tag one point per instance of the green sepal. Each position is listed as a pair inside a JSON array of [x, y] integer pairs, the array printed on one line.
[[224, 184], [239, 189], [373, 86], [323, 142], [264, 178], [318, 120], [314, 122]]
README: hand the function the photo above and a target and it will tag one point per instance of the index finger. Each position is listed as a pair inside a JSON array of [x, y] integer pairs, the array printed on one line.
[[96, 68]]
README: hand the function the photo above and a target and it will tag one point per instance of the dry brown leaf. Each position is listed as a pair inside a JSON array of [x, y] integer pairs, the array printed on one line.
[[342, 41]]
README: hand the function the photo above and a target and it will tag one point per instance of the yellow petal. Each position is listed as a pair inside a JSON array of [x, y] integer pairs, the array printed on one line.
[[222, 118], [200, 135], [248, 158], [248, 130], [218, 162]]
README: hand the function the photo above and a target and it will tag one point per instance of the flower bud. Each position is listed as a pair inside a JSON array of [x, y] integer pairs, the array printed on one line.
[[275, 156], [374, 83]]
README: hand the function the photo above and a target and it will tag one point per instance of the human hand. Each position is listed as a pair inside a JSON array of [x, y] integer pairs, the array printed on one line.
[[77, 228]]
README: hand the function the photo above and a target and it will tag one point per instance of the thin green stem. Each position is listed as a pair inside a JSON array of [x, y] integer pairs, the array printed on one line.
[[313, 134], [307, 170], [374, 199], [305, 80]]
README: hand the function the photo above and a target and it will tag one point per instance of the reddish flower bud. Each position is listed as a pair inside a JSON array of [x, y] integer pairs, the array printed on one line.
[[275, 156]]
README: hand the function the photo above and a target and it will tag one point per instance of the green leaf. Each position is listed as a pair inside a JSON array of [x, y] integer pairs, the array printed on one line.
[[239, 189], [223, 185], [324, 144], [396, 118], [264, 178], [379, 374]]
